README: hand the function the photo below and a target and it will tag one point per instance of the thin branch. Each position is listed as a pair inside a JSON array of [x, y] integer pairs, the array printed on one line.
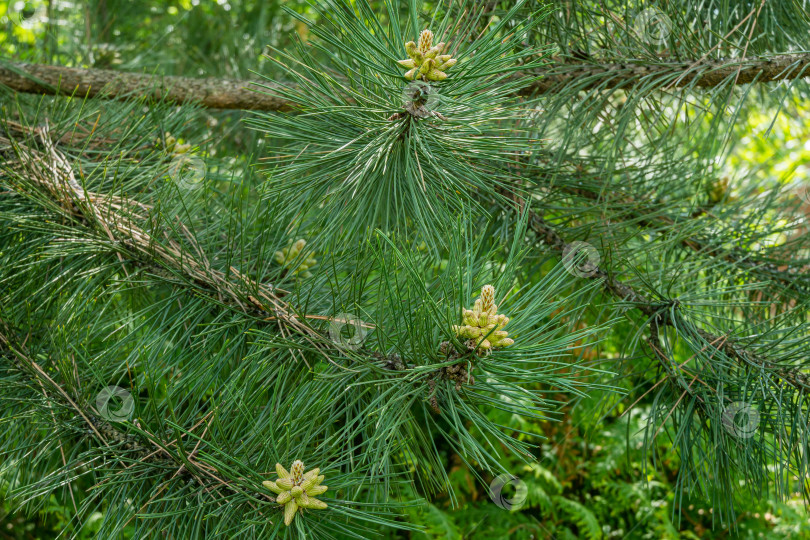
[[654, 311]]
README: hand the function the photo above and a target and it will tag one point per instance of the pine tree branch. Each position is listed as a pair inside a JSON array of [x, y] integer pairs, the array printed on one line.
[[121, 445], [641, 211], [117, 218], [701, 74], [212, 93], [658, 311], [216, 93]]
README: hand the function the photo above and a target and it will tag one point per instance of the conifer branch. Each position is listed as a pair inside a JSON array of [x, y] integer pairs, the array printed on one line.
[[656, 311], [217, 93], [701, 74], [641, 211], [124, 447], [212, 93], [118, 217]]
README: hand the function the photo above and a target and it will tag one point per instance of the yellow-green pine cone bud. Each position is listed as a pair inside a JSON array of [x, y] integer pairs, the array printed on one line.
[[284, 483], [485, 344], [315, 504], [411, 75], [436, 75], [280, 258], [407, 63], [297, 471], [313, 473], [284, 497], [411, 49], [299, 245], [316, 490], [469, 316], [281, 472], [427, 66], [483, 319], [425, 41], [181, 148], [302, 500], [272, 487], [296, 491], [506, 342], [289, 512], [309, 483]]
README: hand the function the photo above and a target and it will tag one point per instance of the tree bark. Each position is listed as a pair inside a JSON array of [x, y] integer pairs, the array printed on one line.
[[705, 74], [216, 93], [104, 83]]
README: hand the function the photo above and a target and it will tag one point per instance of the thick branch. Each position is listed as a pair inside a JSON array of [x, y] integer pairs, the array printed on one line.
[[230, 94], [706, 74], [104, 83]]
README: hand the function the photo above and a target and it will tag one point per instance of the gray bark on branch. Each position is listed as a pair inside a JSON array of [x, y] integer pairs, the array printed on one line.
[[211, 93], [216, 93], [701, 74]]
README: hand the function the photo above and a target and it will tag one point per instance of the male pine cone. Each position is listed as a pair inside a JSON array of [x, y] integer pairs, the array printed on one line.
[[289, 255], [483, 324], [425, 61], [296, 489]]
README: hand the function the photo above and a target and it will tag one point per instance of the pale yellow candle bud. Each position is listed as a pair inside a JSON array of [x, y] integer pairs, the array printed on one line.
[[425, 41]]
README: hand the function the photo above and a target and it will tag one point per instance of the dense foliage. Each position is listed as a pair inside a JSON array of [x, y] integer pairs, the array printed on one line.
[[191, 296]]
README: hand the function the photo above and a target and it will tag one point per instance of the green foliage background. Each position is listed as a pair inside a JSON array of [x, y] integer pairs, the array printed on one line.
[[594, 478]]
